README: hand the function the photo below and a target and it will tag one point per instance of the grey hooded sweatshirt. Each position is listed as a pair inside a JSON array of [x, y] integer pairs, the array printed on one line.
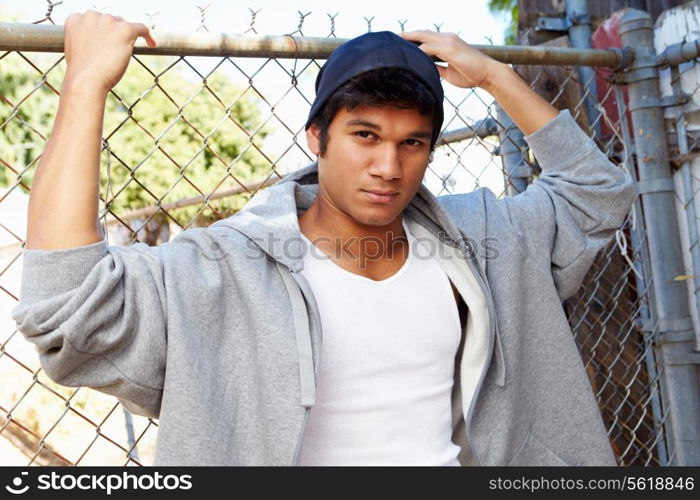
[[217, 333]]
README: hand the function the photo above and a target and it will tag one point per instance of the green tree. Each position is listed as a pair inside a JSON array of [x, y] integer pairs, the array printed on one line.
[[167, 138], [179, 139], [509, 7], [27, 110]]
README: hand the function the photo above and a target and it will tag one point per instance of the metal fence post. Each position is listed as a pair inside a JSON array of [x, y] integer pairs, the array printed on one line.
[[130, 437], [513, 152], [580, 37], [670, 306], [642, 273]]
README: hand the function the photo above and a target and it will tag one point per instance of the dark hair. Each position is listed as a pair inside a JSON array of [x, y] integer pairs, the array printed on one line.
[[379, 87]]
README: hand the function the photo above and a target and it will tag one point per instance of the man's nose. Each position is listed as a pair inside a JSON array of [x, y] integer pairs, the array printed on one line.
[[387, 163]]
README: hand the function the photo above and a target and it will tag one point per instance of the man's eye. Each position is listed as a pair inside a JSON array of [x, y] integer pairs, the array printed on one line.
[[413, 142], [363, 133]]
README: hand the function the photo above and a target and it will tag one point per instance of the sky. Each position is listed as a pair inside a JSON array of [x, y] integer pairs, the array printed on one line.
[[470, 19]]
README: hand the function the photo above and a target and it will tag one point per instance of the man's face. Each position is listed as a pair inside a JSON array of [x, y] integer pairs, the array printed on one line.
[[370, 151]]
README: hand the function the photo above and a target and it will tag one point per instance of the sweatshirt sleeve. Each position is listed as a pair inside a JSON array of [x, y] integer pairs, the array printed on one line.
[[97, 316], [575, 206]]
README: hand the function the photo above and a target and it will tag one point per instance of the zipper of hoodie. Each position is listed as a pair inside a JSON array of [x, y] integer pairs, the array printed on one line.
[[492, 340], [303, 283]]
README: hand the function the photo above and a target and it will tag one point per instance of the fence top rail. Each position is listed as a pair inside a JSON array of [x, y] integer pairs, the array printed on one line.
[[49, 38]]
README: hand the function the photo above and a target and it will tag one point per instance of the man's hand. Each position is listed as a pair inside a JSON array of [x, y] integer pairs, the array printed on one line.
[[468, 67], [98, 47]]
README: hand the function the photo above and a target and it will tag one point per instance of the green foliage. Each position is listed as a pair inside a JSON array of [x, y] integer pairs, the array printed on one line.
[[508, 7], [159, 136], [27, 108], [164, 135]]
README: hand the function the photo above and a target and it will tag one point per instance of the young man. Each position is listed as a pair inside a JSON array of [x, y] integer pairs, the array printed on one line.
[[345, 315]]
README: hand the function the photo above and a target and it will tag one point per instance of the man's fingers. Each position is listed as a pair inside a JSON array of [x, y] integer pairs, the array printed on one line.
[[145, 32], [430, 42], [429, 48], [418, 36]]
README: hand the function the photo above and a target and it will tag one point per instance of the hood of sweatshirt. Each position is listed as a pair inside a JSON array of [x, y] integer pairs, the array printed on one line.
[[271, 218]]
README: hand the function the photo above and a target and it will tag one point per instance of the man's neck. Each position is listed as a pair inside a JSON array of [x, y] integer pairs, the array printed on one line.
[[345, 239]]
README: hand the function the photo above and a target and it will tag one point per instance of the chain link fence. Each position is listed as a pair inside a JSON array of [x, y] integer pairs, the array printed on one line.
[[189, 140]]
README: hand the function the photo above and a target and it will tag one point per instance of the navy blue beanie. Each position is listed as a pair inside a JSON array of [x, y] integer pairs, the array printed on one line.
[[382, 49]]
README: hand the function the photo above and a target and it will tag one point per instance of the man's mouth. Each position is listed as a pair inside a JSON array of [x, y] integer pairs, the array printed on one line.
[[382, 197]]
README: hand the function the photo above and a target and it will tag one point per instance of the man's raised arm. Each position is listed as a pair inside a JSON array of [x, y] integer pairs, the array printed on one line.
[[64, 198], [96, 314], [580, 199]]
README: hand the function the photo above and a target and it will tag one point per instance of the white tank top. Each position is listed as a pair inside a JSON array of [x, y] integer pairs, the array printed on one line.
[[386, 369]]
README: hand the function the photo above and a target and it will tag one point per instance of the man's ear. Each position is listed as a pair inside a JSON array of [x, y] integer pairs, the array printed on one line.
[[313, 138]]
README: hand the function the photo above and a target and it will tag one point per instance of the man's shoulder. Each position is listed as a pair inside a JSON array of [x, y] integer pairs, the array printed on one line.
[[474, 197], [475, 203], [479, 212]]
